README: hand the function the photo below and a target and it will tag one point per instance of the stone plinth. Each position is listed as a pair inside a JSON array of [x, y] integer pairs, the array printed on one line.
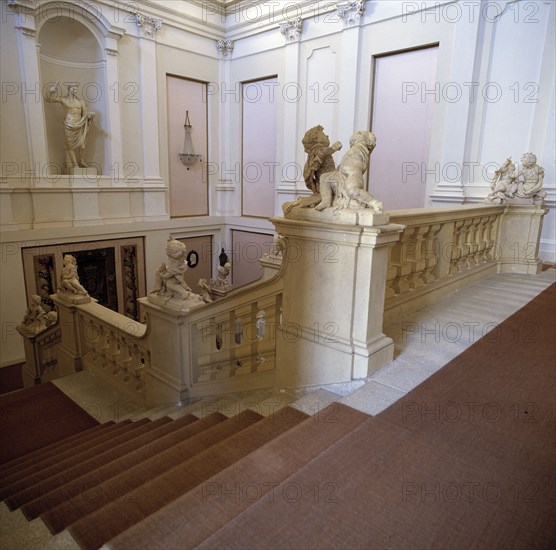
[[519, 238], [334, 289], [167, 379], [69, 350]]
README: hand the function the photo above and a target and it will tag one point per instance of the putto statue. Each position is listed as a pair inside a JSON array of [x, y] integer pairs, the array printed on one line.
[[36, 319], [170, 288], [344, 188], [319, 156], [319, 161], [340, 188], [503, 184], [523, 186], [222, 281], [76, 124], [70, 288]]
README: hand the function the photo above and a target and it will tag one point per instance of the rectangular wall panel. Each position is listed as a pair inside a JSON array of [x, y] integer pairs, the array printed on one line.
[[188, 184], [402, 121], [258, 174], [247, 248]]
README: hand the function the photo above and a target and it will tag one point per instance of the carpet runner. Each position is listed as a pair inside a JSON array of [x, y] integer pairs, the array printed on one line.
[[465, 460]]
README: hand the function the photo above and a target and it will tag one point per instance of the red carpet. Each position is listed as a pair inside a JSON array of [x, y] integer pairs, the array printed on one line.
[[467, 460], [36, 417]]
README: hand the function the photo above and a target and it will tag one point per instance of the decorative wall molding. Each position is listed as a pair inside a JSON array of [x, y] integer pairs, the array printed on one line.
[[73, 64], [351, 12], [149, 26], [225, 47], [292, 30]]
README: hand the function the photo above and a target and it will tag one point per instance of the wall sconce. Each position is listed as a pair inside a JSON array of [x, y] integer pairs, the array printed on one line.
[[188, 156]]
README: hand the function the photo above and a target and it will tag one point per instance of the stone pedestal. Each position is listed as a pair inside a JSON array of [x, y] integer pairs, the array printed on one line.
[[519, 238], [334, 289], [167, 379], [69, 349]]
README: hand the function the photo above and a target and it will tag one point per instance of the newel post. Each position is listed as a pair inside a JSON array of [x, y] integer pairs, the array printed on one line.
[[334, 291]]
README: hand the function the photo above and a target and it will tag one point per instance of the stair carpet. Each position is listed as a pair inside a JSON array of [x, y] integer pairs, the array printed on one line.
[[105, 480]]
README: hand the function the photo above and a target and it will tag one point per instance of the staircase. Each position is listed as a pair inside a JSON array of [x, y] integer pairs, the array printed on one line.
[[295, 469]]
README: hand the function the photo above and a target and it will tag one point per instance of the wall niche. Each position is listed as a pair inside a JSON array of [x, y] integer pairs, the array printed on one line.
[[70, 53]]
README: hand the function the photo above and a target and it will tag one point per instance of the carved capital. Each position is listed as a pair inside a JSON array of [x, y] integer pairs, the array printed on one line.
[[147, 25], [225, 47], [351, 12], [292, 30], [111, 51]]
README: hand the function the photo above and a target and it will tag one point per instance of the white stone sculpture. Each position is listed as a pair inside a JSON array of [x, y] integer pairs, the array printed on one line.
[[503, 185], [344, 188], [530, 178], [319, 156], [523, 186], [170, 288], [70, 288], [222, 282], [36, 319], [319, 161], [205, 291], [76, 124]]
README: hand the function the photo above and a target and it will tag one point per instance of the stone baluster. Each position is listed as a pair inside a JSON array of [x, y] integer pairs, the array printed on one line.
[[399, 255], [431, 251], [415, 256]]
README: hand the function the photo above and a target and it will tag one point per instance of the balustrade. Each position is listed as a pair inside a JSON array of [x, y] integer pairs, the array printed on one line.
[[241, 341]]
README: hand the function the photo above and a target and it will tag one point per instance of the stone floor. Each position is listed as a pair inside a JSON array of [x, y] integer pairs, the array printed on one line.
[[424, 342]]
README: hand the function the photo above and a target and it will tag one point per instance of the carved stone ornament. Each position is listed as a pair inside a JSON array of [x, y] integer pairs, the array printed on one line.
[[351, 12], [292, 29], [171, 290], [36, 319], [339, 194], [148, 25], [70, 289], [522, 186], [225, 47]]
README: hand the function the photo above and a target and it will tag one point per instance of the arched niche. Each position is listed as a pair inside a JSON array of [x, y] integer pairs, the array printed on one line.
[[71, 52]]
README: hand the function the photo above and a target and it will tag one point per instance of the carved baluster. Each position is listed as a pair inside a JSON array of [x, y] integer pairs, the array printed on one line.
[[431, 250], [463, 262], [457, 247], [473, 242], [390, 279], [491, 238], [415, 256], [400, 263], [483, 239]]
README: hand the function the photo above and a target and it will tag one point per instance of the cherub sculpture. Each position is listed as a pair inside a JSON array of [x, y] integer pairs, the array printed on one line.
[[503, 185], [319, 161], [222, 281], [69, 280], [530, 177], [36, 319], [169, 278], [205, 291], [345, 186], [319, 156], [525, 183]]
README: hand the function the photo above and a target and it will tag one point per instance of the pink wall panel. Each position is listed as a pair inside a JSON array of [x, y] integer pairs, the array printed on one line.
[[199, 252], [259, 148], [188, 187], [402, 122], [247, 248]]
